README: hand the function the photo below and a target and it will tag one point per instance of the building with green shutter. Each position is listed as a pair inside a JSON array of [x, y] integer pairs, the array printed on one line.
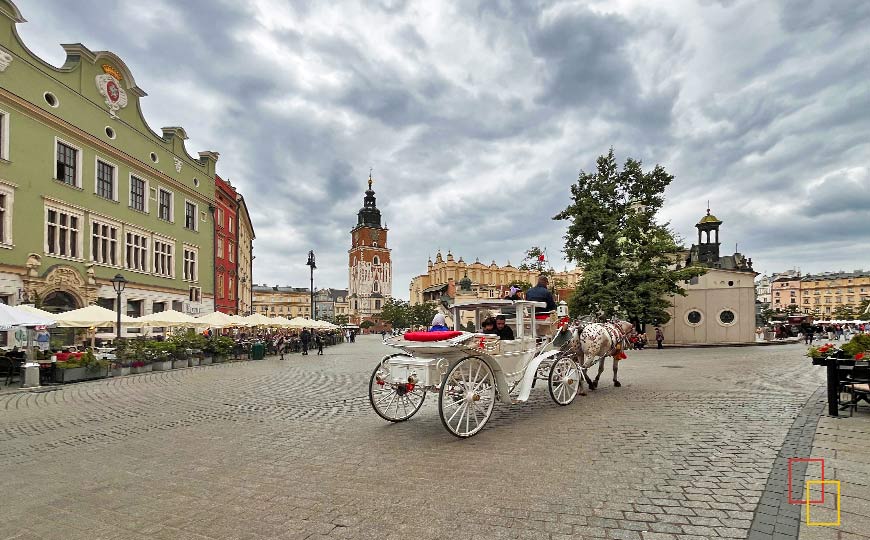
[[88, 190]]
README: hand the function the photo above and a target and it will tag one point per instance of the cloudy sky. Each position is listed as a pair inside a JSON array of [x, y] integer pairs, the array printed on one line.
[[477, 116]]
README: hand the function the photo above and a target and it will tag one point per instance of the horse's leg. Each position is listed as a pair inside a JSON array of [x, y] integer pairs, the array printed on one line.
[[600, 371], [615, 369]]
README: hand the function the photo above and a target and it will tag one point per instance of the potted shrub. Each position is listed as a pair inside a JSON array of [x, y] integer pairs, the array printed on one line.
[[85, 368], [160, 353], [140, 366], [219, 347]]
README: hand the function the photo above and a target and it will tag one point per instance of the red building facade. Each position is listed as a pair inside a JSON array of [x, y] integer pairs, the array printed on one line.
[[226, 256]]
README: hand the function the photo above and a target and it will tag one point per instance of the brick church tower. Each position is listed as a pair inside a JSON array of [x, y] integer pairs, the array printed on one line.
[[370, 272]]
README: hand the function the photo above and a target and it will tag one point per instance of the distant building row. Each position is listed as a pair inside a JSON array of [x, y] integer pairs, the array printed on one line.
[[817, 294], [290, 302], [88, 191]]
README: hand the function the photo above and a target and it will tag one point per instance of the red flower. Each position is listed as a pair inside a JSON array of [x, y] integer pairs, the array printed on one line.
[[859, 356]]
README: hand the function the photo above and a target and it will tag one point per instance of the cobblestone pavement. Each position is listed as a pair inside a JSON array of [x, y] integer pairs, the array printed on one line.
[[291, 449]]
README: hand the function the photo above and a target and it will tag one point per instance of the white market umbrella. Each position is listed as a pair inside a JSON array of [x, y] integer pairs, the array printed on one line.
[[216, 319], [12, 317], [258, 319], [297, 323], [169, 319], [280, 321], [36, 311], [93, 316], [238, 320]]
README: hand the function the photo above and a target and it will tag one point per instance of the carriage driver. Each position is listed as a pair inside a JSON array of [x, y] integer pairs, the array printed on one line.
[[542, 294]]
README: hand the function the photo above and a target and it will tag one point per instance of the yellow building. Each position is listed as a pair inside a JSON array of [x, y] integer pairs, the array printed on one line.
[[822, 294], [487, 281], [281, 301]]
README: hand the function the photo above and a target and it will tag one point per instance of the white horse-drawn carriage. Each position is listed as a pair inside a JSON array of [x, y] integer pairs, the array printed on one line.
[[471, 371]]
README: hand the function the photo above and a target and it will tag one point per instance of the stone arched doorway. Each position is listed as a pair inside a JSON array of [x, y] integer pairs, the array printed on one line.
[[61, 302]]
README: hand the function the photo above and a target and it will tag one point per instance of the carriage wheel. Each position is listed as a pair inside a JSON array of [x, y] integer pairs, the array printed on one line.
[[394, 402], [564, 380], [467, 397]]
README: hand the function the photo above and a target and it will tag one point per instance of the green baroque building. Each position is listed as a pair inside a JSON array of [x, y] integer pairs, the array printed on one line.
[[88, 190]]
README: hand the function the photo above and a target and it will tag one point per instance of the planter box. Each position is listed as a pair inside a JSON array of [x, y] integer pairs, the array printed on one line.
[[120, 371], [143, 369], [205, 361], [219, 359], [161, 366], [177, 364], [194, 362], [64, 376]]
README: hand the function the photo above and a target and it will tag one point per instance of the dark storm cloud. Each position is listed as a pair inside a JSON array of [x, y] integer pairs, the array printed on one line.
[[477, 116]]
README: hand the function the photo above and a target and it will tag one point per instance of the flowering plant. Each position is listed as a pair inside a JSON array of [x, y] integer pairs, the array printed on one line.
[[823, 351]]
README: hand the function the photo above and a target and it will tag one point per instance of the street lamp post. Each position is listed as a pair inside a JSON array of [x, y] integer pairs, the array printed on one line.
[[118, 283], [313, 266]]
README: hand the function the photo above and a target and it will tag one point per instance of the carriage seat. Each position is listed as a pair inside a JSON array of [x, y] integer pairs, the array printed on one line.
[[431, 336]]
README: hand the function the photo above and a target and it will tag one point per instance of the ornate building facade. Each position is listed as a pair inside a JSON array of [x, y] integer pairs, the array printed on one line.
[[286, 302], [246, 259], [446, 277], [370, 271], [88, 190], [226, 256]]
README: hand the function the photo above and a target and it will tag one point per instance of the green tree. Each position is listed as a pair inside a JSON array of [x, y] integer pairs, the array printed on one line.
[[340, 319], [793, 309], [366, 324], [422, 314], [843, 312], [396, 312], [535, 259], [863, 310], [631, 263]]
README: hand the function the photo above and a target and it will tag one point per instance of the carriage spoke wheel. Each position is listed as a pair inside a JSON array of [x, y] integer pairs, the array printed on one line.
[[564, 380], [394, 401], [467, 397]]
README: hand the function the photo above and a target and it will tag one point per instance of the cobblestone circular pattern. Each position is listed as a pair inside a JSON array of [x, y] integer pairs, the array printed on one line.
[[290, 449]]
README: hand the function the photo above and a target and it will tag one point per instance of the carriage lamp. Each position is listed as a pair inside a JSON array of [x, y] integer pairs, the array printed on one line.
[[412, 379]]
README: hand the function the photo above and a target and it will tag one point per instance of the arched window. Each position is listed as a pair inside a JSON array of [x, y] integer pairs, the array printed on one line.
[[376, 261], [374, 244], [376, 287]]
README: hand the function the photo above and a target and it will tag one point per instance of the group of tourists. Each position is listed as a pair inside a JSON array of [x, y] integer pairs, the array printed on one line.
[[833, 332]]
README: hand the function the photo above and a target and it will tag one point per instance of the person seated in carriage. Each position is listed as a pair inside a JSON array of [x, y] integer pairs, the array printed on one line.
[[439, 323], [505, 332], [488, 325]]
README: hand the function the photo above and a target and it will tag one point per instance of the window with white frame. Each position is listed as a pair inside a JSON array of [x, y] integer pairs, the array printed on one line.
[[138, 191], [68, 164], [220, 217], [62, 232], [136, 251], [163, 251], [7, 196], [230, 251], [231, 294], [220, 285], [164, 204], [106, 177], [220, 248], [191, 270], [195, 294], [4, 135], [104, 242], [230, 225], [190, 212]]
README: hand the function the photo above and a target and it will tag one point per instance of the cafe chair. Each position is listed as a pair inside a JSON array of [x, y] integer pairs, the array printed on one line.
[[855, 386]]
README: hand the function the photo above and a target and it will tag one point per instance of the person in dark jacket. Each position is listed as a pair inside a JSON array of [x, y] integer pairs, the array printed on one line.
[[541, 293], [505, 332], [306, 339], [660, 338], [318, 340]]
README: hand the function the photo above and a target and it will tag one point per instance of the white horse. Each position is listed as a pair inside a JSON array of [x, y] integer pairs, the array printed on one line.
[[594, 342]]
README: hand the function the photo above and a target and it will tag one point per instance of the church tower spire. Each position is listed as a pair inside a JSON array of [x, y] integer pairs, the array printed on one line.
[[369, 267]]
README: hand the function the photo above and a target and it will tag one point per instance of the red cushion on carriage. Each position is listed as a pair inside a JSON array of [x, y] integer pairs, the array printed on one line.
[[431, 336], [542, 317]]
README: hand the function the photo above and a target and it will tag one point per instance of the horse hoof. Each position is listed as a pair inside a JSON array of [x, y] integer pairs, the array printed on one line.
[[582, 393], [617, 384]]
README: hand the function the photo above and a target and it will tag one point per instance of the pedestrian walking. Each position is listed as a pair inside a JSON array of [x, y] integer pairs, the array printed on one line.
[[318, 340], [306, 339], [660, 338]]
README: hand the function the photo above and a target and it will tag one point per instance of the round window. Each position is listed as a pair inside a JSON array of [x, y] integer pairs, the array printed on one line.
[[51, 99], [110, 133], [154, 157], [694, 317], [727, 316], [196, 182]]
